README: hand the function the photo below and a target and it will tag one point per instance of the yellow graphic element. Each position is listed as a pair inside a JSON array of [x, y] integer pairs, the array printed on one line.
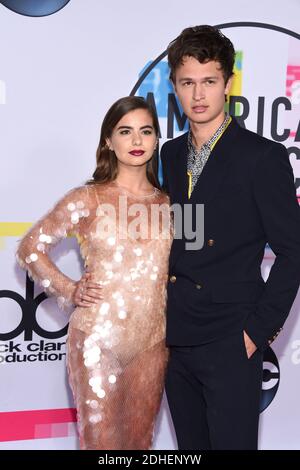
[[14, 229], [236, 87]]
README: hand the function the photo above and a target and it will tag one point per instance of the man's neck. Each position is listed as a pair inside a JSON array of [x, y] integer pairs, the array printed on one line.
[[202, 132]]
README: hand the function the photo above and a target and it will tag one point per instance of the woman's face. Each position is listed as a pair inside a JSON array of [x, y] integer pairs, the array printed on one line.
[[134, 139]]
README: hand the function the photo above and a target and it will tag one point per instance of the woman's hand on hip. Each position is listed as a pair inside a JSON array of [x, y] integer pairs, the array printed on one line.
[[87, 293]]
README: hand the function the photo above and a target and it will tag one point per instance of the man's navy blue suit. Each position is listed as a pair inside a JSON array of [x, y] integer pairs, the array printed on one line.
[[214, 293]]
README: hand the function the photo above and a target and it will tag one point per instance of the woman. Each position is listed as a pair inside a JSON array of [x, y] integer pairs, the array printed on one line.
[[116, 350]]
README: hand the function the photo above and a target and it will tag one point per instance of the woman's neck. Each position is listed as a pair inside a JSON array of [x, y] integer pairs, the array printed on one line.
[[136, 182]]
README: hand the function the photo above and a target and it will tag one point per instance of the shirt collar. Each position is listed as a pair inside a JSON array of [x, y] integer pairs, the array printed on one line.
[[213, 139]]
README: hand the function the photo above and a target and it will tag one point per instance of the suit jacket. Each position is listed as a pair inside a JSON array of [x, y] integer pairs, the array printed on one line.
[[247, 188]]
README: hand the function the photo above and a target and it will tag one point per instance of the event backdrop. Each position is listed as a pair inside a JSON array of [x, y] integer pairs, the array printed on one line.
[[62, 64]]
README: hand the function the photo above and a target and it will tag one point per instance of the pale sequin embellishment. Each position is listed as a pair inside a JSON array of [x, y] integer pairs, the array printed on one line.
[[46, 283]]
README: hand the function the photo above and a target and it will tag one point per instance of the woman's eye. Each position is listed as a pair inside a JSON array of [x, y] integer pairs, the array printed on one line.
[[147, 132], [125, 132]]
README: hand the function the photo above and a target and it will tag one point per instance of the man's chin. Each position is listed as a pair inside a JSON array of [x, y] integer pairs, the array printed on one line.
[[202, 119]]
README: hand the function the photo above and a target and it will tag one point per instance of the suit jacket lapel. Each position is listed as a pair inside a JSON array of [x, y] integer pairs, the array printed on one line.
[[216, 166], [180, 169], [209, 180], [180, 193]]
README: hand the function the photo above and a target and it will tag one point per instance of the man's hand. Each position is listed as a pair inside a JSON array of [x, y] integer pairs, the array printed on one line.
[[87, 292], [249, 345]]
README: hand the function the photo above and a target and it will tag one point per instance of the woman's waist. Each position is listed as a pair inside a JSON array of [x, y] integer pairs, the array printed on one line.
[[126, 278]]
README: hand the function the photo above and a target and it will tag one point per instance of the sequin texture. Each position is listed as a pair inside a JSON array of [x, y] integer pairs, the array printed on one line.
[[116, 350]]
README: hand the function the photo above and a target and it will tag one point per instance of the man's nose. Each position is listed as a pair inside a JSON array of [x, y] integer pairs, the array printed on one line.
[[198, 92]]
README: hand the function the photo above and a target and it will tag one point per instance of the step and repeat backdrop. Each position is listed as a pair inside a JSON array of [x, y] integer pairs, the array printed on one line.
[[62, 64]]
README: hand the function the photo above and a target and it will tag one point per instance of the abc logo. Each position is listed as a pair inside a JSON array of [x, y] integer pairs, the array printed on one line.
[[35, 8], [271, 378]]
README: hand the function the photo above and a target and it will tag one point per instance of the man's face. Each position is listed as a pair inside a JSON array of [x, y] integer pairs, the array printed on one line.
[[201, 90]]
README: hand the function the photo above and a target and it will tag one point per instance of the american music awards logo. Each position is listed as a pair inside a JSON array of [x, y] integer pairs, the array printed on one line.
[[35, 7], [265, 96]]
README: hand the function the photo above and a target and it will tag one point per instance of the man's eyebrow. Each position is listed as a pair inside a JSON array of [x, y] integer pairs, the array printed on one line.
[[203, 78]]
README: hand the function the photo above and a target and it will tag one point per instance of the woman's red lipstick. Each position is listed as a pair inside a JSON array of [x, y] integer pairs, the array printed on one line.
[[137, 153]]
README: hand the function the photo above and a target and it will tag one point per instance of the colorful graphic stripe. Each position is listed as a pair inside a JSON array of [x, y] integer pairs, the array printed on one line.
[[37, 424]]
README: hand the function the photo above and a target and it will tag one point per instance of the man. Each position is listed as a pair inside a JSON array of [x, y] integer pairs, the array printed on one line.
[[221, 315]]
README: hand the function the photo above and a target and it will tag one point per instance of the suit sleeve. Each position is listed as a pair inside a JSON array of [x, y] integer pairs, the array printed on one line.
[[275, 196], [163, 157]]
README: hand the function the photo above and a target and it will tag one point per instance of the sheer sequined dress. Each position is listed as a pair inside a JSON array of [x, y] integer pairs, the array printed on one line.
[[116, 350]]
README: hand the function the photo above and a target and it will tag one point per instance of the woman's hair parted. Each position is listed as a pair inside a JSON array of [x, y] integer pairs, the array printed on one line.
[[106, 160], [204, 43]]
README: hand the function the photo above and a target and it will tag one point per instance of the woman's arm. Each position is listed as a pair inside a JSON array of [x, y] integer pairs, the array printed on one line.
[[33, 252]]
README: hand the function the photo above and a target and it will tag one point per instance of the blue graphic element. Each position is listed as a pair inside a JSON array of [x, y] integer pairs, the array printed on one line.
[[157, 82], [35, 7], [238, 64]]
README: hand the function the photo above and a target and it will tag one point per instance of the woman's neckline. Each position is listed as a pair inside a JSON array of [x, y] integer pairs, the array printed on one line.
[[136, 196]]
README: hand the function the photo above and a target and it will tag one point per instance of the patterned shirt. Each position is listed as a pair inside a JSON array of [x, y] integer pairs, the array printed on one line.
[[197, 159]]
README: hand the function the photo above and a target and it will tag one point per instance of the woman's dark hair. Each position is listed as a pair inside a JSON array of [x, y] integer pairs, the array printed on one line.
[[107, 163], [204, 43]]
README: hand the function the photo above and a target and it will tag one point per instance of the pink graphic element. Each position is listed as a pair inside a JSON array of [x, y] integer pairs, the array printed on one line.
[[60, 429], [36, 424], [293, 74], [291, 120], [42, 431]]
